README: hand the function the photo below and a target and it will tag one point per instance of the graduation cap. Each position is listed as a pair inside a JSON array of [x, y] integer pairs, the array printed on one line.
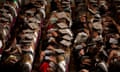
[[65, 6], [47, 58], [52, 29], [67, 37], [28, 36], [59, 51], [7, 16], [94, 12], [65, 2], [51, 39], [48, 51], [4, 10], [33, 20], [62, 25], [91, 43], [65, 31], [78, 47], [93, 1], [33, 26], [65, 43], [29, 13], [113, 41], [4, 20], [11, 8], [97, 25], [81, 37], [97, 16], [28, 31], [26, 42]]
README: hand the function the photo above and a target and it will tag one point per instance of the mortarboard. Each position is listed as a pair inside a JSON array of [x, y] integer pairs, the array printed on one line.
[[59, 51], [62, 25], [65, 31], [78, 47], [65, 43], [33, 26], [67, 37], [28, 31]]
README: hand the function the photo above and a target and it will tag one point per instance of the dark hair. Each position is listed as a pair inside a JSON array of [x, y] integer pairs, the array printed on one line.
[[24, 68]]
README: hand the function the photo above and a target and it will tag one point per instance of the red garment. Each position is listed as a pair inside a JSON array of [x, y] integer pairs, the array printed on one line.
[[44, 67], [50, 26]]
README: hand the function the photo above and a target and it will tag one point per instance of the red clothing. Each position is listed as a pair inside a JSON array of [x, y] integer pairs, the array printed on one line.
[[50, 26], [44, 67]]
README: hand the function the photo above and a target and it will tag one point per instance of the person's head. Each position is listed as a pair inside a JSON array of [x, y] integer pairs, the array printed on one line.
[[82, 17], [55, 34], [95, 34], [103, 4], [25, 67], [81, 52], [92, 48], [85, 60], [59, 6], [84, 70], [27, 58]]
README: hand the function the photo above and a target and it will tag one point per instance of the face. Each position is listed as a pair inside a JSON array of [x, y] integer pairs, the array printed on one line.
[[104, 4], [83, 18], [59, 7], [95, 34], [55, 34], [81, 52]]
